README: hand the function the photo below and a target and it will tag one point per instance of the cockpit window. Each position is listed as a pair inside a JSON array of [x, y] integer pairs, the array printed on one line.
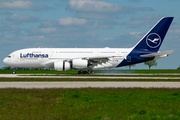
[[9, 56]]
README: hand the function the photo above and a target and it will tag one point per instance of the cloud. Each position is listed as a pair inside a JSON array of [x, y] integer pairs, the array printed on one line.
[[105, 39], [135, 33], [141, 21], [47, 23], [99, 6], [48, 30], [21, 5], [103, 25], [19, 19], [60, 36], [174, 32], [71, 21], [129, 39], [101, 10], [5, 13], [9, 28], [94, 6], [93, 15], [134, 1], [90, 25], [78, 24]]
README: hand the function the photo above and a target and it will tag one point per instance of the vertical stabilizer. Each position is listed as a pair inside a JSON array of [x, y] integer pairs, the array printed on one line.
[[154, 38], [148, 46]]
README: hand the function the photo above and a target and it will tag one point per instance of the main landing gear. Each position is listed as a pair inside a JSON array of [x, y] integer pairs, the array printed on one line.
[[14, 71], [86, 72]]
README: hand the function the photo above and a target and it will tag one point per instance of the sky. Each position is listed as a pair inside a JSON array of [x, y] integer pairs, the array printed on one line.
[[87, 24]]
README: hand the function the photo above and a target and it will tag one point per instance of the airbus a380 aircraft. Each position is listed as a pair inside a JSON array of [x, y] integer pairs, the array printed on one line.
[[62, 59]]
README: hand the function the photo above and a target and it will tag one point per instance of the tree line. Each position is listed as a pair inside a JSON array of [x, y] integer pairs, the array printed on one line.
[[148, 63]]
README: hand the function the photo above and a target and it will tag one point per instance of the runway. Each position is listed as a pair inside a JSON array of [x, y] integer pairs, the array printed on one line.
[[40, 85], [65, 76]]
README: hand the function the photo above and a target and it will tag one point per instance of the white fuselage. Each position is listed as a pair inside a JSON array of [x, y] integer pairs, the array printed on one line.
[[43, 57]]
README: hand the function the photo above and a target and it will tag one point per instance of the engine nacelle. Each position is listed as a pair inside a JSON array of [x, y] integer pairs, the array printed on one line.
[[79, 63], [62, 66]]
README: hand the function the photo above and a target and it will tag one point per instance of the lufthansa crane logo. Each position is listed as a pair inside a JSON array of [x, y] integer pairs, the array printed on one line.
[[153, 40]]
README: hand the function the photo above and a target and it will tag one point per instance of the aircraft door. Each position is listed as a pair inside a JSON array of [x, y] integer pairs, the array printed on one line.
[[16, 59], [118, 53], [97, 52], [40, 59]]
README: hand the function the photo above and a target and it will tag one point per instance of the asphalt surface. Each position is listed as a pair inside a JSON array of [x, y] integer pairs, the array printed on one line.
[[31, 85], [61, 76]]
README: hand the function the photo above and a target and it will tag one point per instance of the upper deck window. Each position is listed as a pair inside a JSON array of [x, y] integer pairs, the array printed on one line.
[[108, 52], [75, 52]]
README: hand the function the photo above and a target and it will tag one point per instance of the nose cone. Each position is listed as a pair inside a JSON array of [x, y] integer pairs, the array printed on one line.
[[6, 61]]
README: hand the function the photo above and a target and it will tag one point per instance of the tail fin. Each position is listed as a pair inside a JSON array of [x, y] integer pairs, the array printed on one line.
[[154, 38]]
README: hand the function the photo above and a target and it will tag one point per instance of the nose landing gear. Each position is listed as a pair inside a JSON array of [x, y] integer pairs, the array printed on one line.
[[14, 71]]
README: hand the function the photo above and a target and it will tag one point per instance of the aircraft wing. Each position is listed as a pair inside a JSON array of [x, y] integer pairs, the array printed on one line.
[[157, 55], [98, 59]]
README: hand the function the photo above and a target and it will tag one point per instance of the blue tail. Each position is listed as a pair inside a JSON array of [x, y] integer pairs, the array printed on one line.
[[154, 38], [149, 44]]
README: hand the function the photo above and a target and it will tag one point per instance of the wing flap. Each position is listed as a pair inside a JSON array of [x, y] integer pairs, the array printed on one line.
[[100, 58]]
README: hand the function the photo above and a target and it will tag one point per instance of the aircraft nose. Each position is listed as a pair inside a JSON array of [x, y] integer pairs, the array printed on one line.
[[5, 61]]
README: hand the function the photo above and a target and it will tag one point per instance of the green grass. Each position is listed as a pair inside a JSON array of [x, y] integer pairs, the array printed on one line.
[[141, 71], [38, 72], [90, 104], [97, 71], [157, 71], [84, 80]]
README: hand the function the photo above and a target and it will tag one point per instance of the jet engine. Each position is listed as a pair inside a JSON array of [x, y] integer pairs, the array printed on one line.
[[76, 64], [79, 63], [62, 66]]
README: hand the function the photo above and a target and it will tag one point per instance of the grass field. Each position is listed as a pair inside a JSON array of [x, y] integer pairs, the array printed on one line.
[[96, 71], [90, 104], [38, 72], [83, 79]]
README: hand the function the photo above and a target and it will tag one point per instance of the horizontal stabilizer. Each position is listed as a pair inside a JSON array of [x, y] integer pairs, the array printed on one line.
[[158, 54]]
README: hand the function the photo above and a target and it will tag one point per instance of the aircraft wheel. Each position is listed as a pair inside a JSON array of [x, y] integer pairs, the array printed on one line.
[[92, 72], [14, 72], [79, 72], [84, 72]]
